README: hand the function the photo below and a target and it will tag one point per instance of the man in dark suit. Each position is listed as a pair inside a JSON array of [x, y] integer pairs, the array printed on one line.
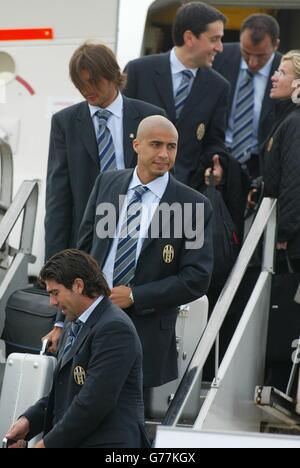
[[96, 399], [256, 57], [166, 259], [93, 136], [194, 96]]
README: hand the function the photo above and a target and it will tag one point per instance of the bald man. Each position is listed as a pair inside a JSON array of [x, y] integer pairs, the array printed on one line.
[[152, 237]]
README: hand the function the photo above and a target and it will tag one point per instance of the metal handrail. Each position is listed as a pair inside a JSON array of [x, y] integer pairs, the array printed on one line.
[[7, 173], [222, 307], [25, 201]]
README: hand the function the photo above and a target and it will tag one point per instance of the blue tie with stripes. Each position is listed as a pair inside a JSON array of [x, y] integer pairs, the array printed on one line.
[[125, 262], [183, 91], [73, 333], [243, 120], [105, 143]]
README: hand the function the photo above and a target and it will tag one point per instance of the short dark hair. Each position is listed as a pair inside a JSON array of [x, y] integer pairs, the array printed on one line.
[[195, 17], [260, 25], [100, 62], [67, 266]]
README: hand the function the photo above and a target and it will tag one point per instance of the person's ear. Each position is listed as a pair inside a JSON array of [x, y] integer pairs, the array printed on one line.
[[189, 38], [78, 286], [277, 44], [136, 145]]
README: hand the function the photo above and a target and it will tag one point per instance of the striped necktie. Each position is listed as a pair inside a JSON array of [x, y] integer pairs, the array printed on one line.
[[243, 120], [183, 91], [73, 333], [125, 262], [105, 143]]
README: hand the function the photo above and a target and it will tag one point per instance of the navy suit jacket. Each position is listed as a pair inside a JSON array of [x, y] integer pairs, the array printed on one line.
[[74, 165], [150, 79], [159, 286], [106, 409], [228, 64]]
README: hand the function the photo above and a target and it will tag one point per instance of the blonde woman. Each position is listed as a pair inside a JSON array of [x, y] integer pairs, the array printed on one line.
[[281, 160]]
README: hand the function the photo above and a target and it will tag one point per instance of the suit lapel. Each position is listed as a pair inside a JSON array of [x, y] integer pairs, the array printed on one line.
[[164, 84], [114, 198], [267, 102], [197, 94], [233, 72], [168, 198], [131, 119], [85, 331], [121, 190], [86, 131]]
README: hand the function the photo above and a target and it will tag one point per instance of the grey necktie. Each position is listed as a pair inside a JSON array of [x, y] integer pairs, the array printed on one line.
[[125, 262], [244, 120], [73, 333], [183, 91], [105, 143]]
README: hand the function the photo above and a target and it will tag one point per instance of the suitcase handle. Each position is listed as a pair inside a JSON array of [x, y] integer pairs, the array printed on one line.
[[5, 443], [44, 348]]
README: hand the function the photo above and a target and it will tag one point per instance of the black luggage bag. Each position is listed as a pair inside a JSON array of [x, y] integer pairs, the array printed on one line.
[[29, 317], [225, 238], [284, 328]]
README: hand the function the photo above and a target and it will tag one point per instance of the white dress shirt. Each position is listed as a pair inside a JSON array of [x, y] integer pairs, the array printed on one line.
[[115, 125], [261, 79], [151, 200], [176, 69]]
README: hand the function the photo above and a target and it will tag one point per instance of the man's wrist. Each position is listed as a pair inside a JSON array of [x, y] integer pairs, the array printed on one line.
[[59, 325], [131, 297]]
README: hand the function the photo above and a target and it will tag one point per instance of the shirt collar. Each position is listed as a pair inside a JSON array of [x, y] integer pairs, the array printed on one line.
[[265, 71], [116, 107], [157, 187], [86, 315], [178, 67]]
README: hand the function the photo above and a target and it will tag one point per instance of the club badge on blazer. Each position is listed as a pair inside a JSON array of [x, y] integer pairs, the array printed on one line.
[[201, 131], [132, 136], [270, 145], [168, 254], [79, 375]]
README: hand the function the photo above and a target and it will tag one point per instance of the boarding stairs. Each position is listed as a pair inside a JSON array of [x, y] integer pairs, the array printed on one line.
[[17, 218], [236, 403]]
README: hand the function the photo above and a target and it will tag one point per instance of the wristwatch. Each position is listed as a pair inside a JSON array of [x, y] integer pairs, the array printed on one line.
[[131, 297]]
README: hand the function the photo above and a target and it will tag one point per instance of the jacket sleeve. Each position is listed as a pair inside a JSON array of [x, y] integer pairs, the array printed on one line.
[[289, 188], [59, 200], [130, 89], [87, 227], [191, 282], [36, 417]]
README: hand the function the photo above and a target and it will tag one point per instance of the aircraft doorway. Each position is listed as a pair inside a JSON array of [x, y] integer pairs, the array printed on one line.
[[158, 31]]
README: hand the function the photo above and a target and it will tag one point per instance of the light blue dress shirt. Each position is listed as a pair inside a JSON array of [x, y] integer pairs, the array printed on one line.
[[86, 315], [260, 85], [115, 125], [150, 203], [176, 69]]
